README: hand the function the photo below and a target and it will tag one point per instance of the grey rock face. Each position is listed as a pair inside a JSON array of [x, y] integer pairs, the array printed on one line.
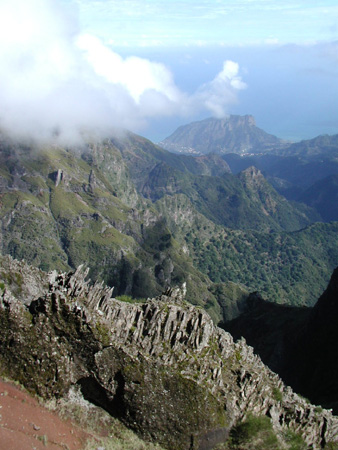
[[162, 366]]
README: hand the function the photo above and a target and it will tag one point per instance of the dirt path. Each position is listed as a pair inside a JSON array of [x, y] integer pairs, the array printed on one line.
[[26, 425]]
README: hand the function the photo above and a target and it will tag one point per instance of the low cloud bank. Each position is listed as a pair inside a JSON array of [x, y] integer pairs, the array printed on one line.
[[58, 83]]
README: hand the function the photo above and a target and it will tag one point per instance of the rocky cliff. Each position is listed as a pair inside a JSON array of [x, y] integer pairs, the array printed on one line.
[[161, 366]]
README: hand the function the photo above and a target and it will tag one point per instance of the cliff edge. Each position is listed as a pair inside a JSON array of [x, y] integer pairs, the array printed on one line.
[[162, 367]]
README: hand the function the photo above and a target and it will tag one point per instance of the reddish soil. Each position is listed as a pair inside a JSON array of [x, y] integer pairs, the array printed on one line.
[[26, 425]]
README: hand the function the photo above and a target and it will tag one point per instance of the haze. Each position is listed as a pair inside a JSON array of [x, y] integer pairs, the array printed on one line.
[[69, 69]]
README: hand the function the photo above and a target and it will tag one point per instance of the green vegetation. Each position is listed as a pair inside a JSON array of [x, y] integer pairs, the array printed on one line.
[[124, 440], [13, 280], [294, 441], [44, 439], [254, 433], [291, 268], [102, 333], [130, 299], [277, 394], [233, 201], [94, 216]]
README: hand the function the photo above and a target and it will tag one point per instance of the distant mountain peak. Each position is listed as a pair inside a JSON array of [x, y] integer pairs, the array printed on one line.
[[233, 134], [247, 119], [252, 172]]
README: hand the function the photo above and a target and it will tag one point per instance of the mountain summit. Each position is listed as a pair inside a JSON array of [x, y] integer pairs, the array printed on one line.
[[234, 134]]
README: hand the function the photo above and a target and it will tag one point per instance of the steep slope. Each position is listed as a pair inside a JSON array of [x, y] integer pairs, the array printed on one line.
[[271, 329], [290, 268], [314, 358], [161, 367], [26, 424], [296, 167], [313, 148], [289, 216], [323, 196], [235, 134], [60, 210], [298, 343], [141, 156], [246, 201]]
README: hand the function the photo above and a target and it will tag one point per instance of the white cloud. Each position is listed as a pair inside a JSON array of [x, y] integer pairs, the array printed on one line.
[[53, 78], [135, 74], [217, 95]]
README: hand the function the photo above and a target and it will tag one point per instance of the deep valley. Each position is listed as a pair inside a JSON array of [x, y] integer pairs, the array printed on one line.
[[237, 231]]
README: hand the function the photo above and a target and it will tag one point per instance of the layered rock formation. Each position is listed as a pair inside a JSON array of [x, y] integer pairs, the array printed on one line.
[[161, 366]]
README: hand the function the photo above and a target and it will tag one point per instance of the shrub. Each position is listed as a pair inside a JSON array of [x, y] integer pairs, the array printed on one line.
[[255, 433], [294, 441], [277, 394]]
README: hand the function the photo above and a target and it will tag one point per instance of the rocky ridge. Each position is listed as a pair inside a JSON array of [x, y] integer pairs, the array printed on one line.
[[161, 366]]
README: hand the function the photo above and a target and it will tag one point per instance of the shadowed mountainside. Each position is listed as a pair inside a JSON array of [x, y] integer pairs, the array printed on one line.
[[298, 343]]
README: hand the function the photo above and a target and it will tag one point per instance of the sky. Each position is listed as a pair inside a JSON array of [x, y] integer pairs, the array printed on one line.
[[177, 23], [76, 68]]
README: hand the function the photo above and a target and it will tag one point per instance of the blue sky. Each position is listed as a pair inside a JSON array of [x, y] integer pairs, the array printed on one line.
[[287, 53], [135, 23], [84, 67]]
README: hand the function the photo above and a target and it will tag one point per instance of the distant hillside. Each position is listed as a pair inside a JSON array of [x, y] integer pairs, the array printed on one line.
[[305, 171], [318, 146], [246, 201], [323, 196], [234, 134], [143, 218], [59, 210]]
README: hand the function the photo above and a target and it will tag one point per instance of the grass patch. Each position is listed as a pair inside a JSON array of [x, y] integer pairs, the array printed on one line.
[[102, 333], [331, 446], [67, 204], [295, 441], [277, 394], [255, 433], [130, 299]]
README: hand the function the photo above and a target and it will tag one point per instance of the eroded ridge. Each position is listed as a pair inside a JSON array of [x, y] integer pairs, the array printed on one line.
[[161, 366]]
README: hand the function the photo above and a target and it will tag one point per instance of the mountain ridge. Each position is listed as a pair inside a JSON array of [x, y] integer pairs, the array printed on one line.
[[89, 208], [234, 134], [127, 358]]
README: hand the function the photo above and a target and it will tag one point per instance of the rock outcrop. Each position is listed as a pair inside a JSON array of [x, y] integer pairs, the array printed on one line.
[[161, 366]]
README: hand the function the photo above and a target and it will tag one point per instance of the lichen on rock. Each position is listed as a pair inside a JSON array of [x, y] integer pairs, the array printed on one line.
[[162, 366]]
